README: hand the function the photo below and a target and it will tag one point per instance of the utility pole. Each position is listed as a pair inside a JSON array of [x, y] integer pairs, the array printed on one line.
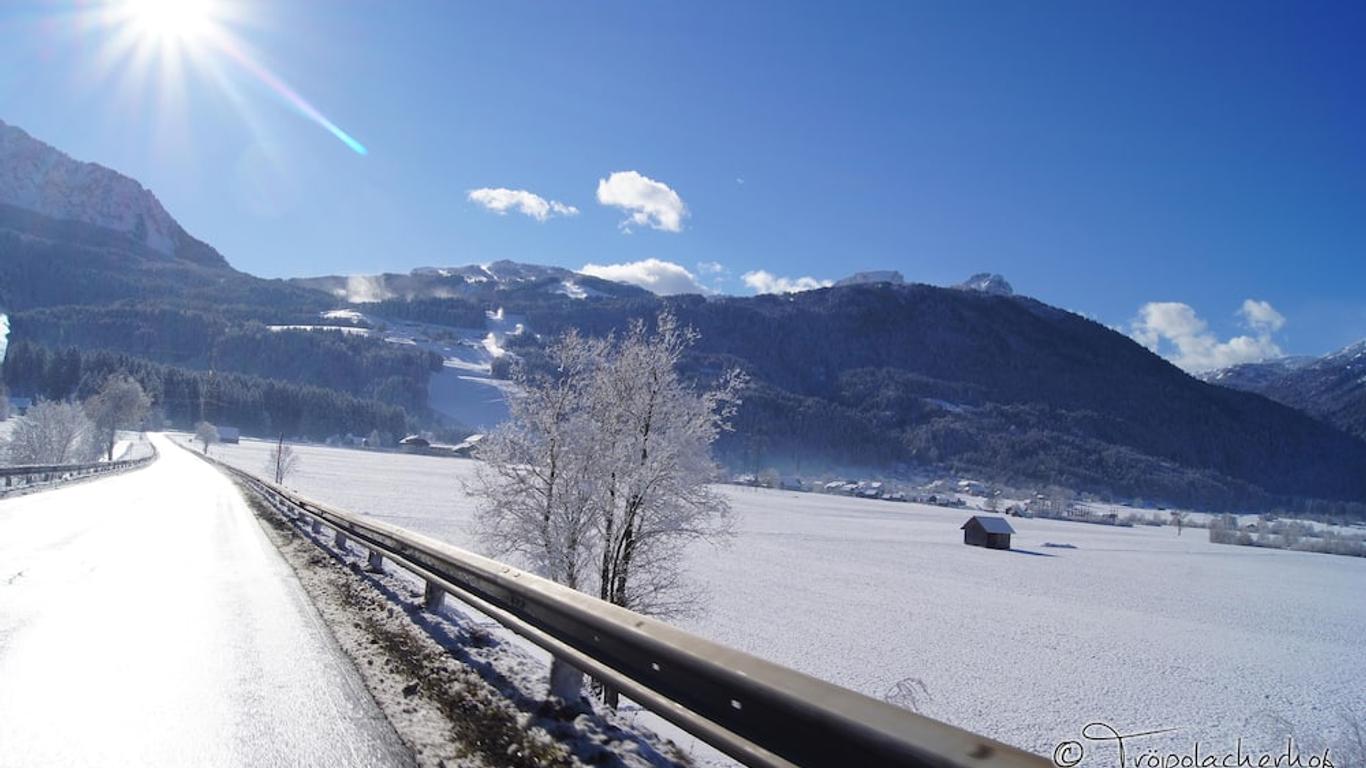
[[279, 458]]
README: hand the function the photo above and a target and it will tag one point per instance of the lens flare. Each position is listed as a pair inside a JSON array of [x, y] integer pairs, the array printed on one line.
[[289, 94], [171, 32]]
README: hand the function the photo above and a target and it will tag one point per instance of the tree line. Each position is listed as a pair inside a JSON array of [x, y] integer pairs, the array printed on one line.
[[183, 397]]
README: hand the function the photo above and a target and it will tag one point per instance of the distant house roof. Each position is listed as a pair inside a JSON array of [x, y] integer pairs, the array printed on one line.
[[415, 440], [468, 443], [990, 524]]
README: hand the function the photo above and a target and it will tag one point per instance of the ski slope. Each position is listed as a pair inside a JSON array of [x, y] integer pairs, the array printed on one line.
[[465, 389], [145, 620], [1135, 626]]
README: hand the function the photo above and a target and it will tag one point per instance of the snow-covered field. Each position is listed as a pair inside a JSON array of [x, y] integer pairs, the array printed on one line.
[[1137, 627]]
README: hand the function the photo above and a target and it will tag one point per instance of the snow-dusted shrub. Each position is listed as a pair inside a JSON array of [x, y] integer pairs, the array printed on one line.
[[53, 433], [282, 462], [206, 435]]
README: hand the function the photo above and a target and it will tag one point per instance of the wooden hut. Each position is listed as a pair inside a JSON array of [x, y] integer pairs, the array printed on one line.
[[987, 531]]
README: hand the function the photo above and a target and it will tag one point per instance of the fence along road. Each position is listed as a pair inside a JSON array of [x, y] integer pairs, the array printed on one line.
[[758, 712], [146, 620]]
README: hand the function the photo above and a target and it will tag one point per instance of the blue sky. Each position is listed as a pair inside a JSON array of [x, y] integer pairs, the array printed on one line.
[[1120, 160]]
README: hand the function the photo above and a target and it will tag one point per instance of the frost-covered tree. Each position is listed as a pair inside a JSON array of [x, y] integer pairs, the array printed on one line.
[[654, 493], [206, 435], [53, 433], [602, 472], [120, 404], [283, 461], [540, 470]]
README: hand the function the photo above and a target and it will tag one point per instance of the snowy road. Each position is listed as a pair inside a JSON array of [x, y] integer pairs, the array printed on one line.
[[146, 620]]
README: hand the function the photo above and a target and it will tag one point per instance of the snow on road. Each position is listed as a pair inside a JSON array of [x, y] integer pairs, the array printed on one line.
[[146, 620], [1136, 626]]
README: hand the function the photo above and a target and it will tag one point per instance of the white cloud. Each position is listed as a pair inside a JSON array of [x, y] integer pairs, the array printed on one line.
[[501, 200], [651, 203], [662, 277], [1261, 316], [712, 268], [767, 282], [1175, 331]]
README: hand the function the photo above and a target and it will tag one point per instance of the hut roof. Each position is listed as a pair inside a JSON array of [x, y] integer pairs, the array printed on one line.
[[990, 524]]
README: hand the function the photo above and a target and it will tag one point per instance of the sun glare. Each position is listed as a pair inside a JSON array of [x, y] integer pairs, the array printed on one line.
[[166, 42], [170, 20]]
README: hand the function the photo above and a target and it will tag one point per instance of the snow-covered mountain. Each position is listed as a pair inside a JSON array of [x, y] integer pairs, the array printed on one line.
[[1332, 387], [875, 276], [470, 281], [986, 282], [36, 178]]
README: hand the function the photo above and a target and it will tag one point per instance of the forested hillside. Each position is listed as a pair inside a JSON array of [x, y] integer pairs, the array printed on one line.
[[97, 276], [183, 397], [1003, 386], [207, 340]]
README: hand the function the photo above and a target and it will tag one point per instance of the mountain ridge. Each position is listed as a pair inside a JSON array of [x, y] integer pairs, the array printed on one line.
[[878, 373], [1331, 387], [474, 281], [36, 177]]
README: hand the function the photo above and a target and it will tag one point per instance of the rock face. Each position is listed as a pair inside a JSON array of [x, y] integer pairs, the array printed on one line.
[[876, 276], [37, 178], [986, 282]]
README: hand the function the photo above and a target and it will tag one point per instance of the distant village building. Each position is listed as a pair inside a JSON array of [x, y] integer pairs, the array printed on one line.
[[466, 447], [415, 443], [987, 531], [972, 487], [229, 435], [19, 406]]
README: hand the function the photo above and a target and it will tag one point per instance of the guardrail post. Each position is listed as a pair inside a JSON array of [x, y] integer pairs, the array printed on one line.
[[376, 560], [316, 527], [566, 681], [339, 540], [432, 597]]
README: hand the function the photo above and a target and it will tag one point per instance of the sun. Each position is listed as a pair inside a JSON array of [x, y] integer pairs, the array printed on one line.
[[169, 21], [159, 46]]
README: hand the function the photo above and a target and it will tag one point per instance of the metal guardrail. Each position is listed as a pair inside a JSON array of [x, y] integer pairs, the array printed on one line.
[[758, 712], [36, 476]]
